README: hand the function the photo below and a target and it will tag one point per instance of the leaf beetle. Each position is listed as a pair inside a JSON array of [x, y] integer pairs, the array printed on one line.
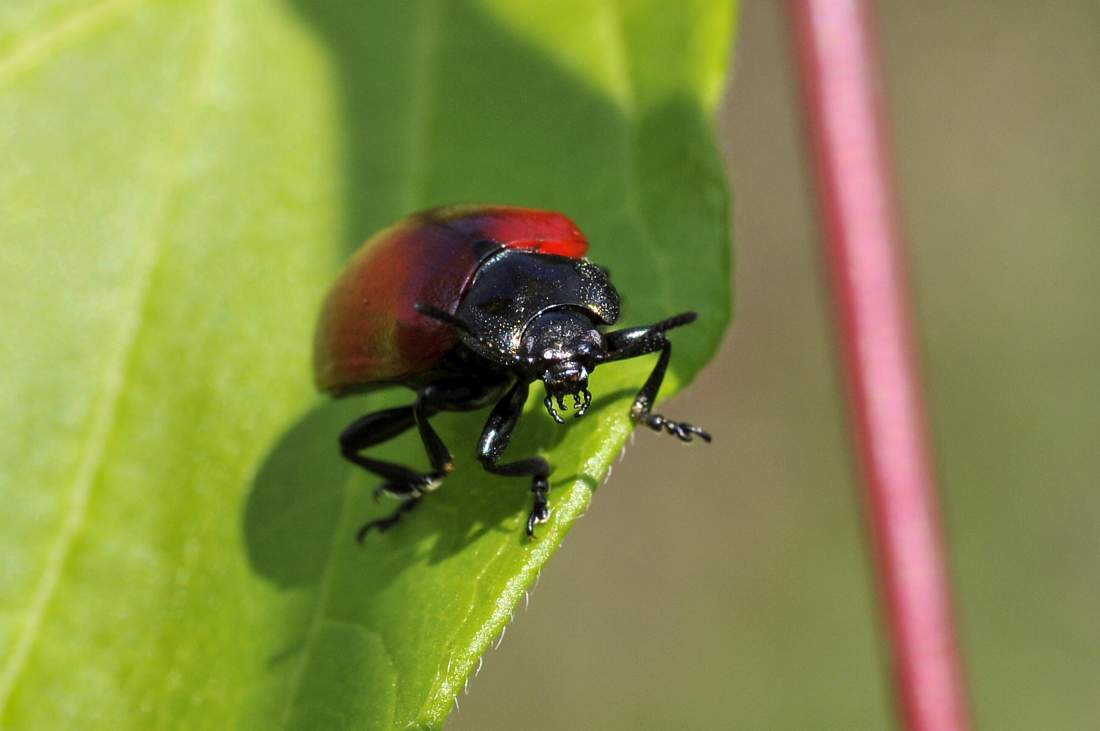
[[468, 306]]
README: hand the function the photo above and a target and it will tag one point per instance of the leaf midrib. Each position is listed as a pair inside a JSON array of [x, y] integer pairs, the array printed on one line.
[[78, 26], [104, 419], [324, 588]]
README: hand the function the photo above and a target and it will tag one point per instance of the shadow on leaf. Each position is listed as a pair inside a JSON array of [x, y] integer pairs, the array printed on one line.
[[295, 508]]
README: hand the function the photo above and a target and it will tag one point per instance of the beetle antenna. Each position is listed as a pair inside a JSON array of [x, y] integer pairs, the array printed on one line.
[[684, 318], [443, 316], [628, 338], [463, 327]]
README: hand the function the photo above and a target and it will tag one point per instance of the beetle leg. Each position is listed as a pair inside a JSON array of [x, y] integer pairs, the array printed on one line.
[[384, 524], [405, 482], [636, 341], [643, 402], [377, 428], [401, 481], [494, 440], [373, 429], [439, 456]]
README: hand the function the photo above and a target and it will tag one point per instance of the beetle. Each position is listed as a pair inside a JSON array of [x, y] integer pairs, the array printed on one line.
[[468, 306]]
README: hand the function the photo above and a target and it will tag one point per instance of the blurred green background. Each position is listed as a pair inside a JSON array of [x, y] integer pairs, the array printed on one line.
[[728, 587]]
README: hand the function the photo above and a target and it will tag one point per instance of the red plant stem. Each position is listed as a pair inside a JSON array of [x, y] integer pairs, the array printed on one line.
[[840, 90]]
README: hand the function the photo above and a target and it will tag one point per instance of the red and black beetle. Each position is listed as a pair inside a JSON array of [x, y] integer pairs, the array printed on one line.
[[468, 305]]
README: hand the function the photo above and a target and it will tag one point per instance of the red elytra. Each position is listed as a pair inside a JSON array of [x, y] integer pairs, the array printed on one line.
[[369, 333]]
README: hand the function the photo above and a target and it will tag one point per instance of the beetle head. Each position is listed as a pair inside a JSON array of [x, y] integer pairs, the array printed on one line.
[[560, 346]]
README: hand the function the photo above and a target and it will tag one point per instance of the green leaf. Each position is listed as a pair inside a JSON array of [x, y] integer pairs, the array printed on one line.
[[181, 182]]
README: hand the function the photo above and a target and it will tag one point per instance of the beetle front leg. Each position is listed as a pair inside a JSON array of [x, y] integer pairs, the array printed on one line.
[[494, 440], [636, 341], [641, 413]]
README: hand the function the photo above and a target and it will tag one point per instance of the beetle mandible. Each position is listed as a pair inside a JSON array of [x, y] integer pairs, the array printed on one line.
[[468, 306]]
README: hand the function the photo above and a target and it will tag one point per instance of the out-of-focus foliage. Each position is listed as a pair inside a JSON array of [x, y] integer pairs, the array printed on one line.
[[759, 574], [180, 182]]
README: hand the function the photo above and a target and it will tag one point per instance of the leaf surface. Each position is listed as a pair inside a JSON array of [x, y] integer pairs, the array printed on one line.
[[181, 183]]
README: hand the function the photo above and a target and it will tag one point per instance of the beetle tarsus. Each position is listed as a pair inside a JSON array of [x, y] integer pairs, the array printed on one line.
[[540, 513], [426, 483], [384, 524], [682, 430], [401, 491], [636, 341]]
